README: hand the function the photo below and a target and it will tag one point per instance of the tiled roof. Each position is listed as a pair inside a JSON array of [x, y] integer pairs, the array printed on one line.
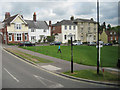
[[84, 20], [64, 22], [37, 24], [8, 20]]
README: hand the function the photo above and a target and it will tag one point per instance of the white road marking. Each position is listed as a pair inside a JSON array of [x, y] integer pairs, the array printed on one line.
[[11, 75], [48, 83], [50, 67]]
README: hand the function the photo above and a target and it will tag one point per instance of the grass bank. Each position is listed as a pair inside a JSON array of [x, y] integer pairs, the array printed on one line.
[[29, 57], [86, 55], [92, 75]]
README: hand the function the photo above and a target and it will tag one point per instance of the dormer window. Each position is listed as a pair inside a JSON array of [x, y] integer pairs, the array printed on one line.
[[17, 26]]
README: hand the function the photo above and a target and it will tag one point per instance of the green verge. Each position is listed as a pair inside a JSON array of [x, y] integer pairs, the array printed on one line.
[[92, 75], [86, 55], [29, 57]]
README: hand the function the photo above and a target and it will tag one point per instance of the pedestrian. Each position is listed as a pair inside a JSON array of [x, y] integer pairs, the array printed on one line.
[[59, 49]]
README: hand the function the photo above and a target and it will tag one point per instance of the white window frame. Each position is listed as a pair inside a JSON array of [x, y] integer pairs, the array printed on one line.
[[70, 27], [74, 27], [65, 27], [19, 36], [18, 26]]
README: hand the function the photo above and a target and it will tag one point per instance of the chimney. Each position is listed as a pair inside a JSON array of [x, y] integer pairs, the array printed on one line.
[[7, 15], [34, 17], [91, 19], [49, 23], [22, 16], [72, 18]]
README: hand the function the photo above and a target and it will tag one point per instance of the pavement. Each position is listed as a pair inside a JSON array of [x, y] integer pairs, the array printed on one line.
[[58, 65]]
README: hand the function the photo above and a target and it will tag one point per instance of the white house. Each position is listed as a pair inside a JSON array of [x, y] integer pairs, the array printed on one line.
[[38, 30], [62, 29]]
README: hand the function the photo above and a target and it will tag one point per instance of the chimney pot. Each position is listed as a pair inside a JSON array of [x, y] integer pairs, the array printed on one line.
[[34, 16]]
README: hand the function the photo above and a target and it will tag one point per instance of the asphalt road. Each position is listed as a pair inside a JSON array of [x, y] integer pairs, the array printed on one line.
[[19, 74]]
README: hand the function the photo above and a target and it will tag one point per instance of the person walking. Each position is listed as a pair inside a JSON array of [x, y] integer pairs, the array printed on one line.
[[59, 50]]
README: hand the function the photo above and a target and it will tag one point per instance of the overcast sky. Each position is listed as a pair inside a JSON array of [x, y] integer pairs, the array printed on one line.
[[59, 10]]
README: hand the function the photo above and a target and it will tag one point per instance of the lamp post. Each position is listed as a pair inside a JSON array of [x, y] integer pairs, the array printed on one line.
[[98, 37], [70, 35]]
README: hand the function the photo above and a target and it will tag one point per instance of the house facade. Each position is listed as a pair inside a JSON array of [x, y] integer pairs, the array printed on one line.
[[62, 29], [38, 30], [87, 29], [108, 36], [15, 29]]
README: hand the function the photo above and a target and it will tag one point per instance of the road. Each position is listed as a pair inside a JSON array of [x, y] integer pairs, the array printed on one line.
[[19, 74]]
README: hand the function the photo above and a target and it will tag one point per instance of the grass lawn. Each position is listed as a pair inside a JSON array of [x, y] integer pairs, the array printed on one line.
[[92, 75], [86, 55], [29, 57]]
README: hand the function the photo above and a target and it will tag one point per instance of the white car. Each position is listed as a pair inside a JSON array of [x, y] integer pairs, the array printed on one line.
[[77, 43]]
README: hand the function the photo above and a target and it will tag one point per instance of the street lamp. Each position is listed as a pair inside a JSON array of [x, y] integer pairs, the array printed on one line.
[[98, 37], [70, 35]]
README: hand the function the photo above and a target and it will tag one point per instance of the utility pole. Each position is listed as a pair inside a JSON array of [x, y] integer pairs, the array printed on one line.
[[98, 37]]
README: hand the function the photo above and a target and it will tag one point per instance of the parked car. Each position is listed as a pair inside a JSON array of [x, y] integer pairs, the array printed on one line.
[[91, 44], [55, 43], [108, 44], [26, 43], [77, 43]]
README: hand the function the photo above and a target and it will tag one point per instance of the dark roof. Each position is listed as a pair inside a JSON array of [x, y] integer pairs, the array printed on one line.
[[84, 20], [37, 24], [8, 20], [64, 22]]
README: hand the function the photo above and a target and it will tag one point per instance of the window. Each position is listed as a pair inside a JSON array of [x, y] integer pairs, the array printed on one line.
[[33, 37], [74, 27], [81, 29], [74, 37], [81, 37], [10, 36], [94, 37], [65, 37], [18, 26], [111, 38], [94, 29], [19, 38], [32, 30], [25, 36], [69, 27], [65, 27]]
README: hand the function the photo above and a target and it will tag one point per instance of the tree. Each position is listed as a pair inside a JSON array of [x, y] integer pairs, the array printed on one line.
[[108, 27], [50, 38]]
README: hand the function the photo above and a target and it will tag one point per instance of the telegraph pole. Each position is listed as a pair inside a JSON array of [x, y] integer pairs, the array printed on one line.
[[98, 37]]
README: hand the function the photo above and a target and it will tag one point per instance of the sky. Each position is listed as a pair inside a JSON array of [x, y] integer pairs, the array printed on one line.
[[57, 10]]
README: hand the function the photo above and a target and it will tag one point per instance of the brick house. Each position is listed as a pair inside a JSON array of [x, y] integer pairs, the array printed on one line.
[[15, 29], [108, 36]]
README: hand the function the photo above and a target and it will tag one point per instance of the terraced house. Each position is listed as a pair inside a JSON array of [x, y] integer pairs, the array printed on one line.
[[84, 30], [15, 29]]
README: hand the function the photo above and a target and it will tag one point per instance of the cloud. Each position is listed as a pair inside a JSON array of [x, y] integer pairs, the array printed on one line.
[[59, 10]]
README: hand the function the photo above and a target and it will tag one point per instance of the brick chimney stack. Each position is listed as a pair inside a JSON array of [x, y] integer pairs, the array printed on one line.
[[49, 23], [34, 17], [7, 15]]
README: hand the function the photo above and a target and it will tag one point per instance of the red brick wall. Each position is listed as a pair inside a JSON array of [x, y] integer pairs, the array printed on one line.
[[57, 30]]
